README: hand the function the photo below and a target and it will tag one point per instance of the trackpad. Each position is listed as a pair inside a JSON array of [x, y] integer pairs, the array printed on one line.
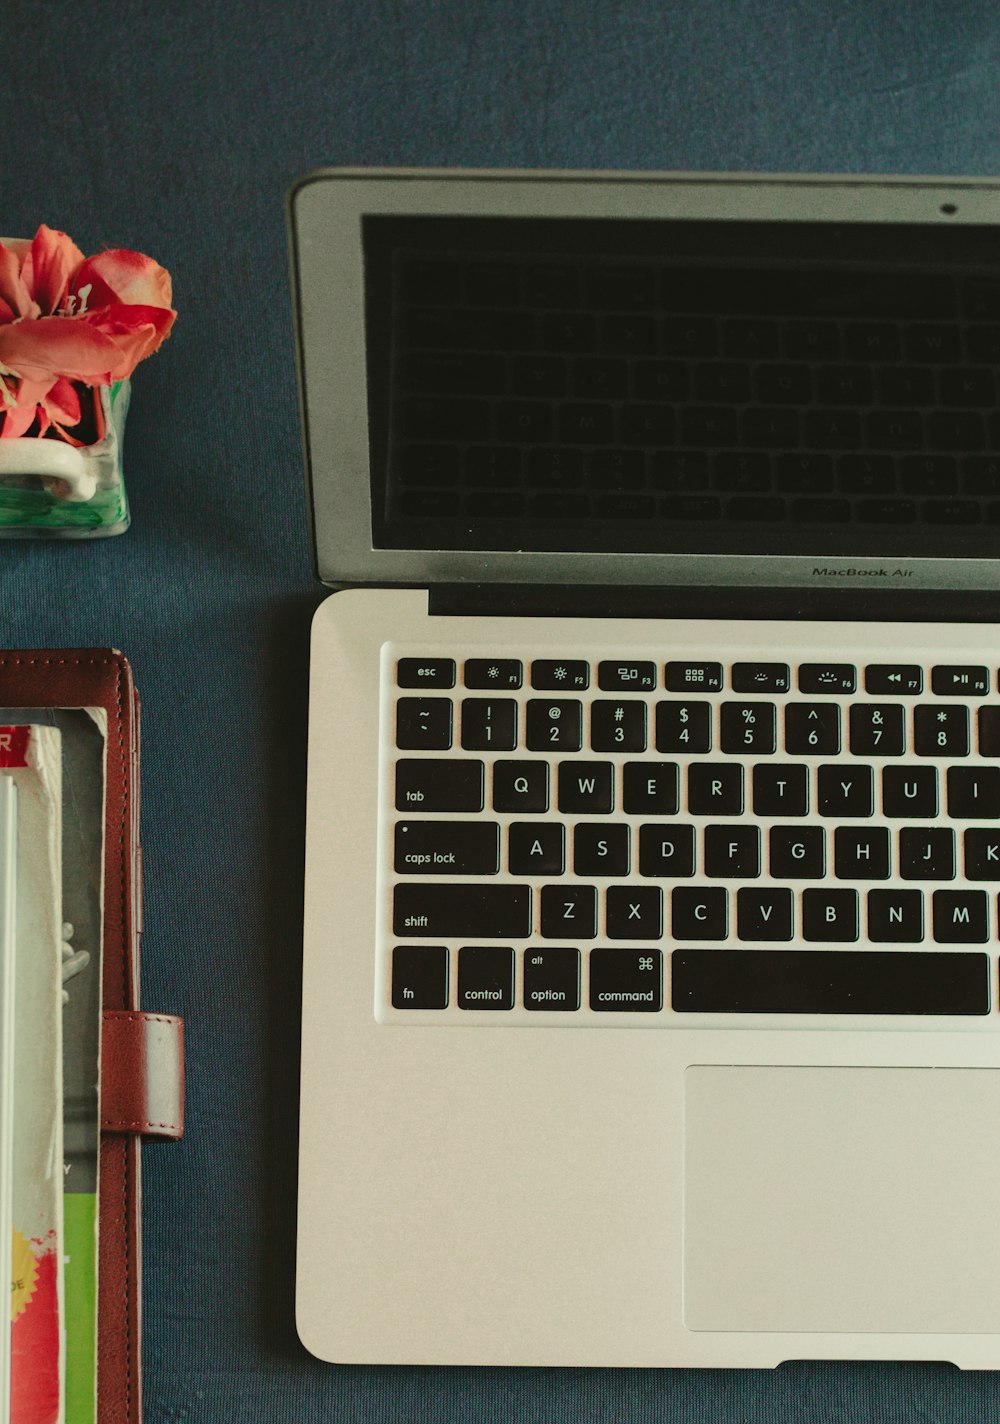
[[842, 1199]]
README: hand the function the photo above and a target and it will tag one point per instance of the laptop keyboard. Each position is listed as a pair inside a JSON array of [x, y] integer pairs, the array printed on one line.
[[626, 839]]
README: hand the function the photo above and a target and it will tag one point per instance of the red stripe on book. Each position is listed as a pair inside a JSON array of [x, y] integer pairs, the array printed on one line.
[[14, 746]]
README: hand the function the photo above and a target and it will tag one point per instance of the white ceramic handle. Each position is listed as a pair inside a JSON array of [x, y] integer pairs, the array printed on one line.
[[50, 460]]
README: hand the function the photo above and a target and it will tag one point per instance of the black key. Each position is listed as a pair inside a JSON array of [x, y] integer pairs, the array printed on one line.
[[755, 339], [447, 848], [927, 854], [699, 912], [494, 504], [555, 469], [617, 470], [822, 511], [910, 791], [492, 467], [439, 785], [982, 854], [732, 852], [590, 424], [492, 284], [811, 340], [861, 854], [960, 681], [552, 980], [763, 914], [867, 474], [600, 849], [425, 672], [436, 418], [666, 852], [722, 381], [742, 473], [784, 383], [634, 912], [696, 677], [844, 385], [896, 916], [871, 341], [690, 336], [941, 731], [833, 430], [586, 786], [453, 911], [757, 509], [876, 729], [483, 674], [896, 430], [536, 848], [489, 724], [538, 376], [792, 981], [429, 465], [797, 852], [646, 425], [554, 725], [882, 678], [550, 675], [887, 511], [680, 470], [626, 676], [522, 421], [650, 788], [845, 791], [714, 789], [906, 385], [683, 727], [626, 980], [520, 786], [552, 286], [974, 793], [485, 977], [687, 508], [827, 677], [618, 726], [748, 728], [955, 430], [780, 790], [928, 474], [812, 729], [761, 677], [981, 474], [960, 917], [454, 373], [933, 343], [989, 731], [830, 915], [423, 723], [569, 912], [625, 506], [420, 976]]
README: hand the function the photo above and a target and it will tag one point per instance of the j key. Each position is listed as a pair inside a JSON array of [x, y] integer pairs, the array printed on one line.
[[960, 917], [982, 854], [683, 727], [910, 791], [425, 672], [748, 727], [780, 790], [600, 849], [420, 976], [761, 677], [812, 729], [896, 916], [552, 980], [797, 852], [827, 677], [876, 729], [927, 854], [554, 726], [666, 851], [520, 786], [489, 724], [586, 786], [626, 980], [960, 681], [439, 785], [830, 915], [792, 981], [941, 731], [447, 848], [634, 912], [618, 726], [486, 673], [845, 791], [715, 790], [551, 676], [423, 723], [650, 788], [763, 914], [626, 677], [569, 912], [698, 677], [732, 852], [460, 911], [974, 793], [536, 848], [485, 977], [699, 912], [861, 854], [889, 678]]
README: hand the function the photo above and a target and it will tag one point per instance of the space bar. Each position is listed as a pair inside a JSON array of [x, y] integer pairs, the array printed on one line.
[[782, 981]]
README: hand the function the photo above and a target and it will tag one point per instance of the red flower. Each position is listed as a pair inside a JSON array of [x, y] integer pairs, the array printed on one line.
[[66, 320]]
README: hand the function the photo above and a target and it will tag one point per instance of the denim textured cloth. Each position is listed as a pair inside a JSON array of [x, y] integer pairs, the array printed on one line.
[[176, 129]]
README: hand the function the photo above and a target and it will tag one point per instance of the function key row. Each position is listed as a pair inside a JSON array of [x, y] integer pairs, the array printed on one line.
[[554, 675]]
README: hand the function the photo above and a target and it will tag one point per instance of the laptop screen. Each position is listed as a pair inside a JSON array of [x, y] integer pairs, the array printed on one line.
[[683, 386]]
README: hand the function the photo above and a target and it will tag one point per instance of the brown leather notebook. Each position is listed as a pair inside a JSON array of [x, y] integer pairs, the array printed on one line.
[[142, 1076]]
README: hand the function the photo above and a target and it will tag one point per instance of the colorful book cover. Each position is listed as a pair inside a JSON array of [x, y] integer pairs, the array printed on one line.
[[31, 756]]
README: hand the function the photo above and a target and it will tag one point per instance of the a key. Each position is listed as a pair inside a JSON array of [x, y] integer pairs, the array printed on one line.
[[420, 976], [960, 681], [982, 854], [554, 725], [462, 911], [830, 914], [683, 727], [910, 791], [447, 848], [845, 790], [549, 675], [895, 916], [552, 979], [425, 672], [626, 676], [927, 853], [569, 912], [780, 790], [699, 912], [520, 786], [797, 852], [960, 917], [485, 977], [586, 787], [536, 848], [666, 851], [876, 729], [618, 726], [974, 793], [423, 723], [941, 731], [893, 678], [861, 854], [438, 785], [634, 912], [763, 914], [693, 677], [485, 674], [650, 788], [489, 724], [715, 789], [760, 677], [748, 728], [600, 849], [732, 852], [812, 729], [626, 980], [827, 677]]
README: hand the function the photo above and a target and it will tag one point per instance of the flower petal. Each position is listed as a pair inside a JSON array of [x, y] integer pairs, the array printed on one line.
[[51, 260], [62, 402], [20, 417], [13, 291], [138, 331], [58, 346], [119, 275]]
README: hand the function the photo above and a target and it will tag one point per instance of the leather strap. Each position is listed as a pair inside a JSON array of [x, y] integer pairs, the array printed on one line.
[[142, 1074]]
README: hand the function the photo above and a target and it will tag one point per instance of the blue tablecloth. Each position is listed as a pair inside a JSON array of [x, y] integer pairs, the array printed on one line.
[[176, 129]]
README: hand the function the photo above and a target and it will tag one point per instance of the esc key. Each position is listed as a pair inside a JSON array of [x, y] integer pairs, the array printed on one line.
[[426, 672]]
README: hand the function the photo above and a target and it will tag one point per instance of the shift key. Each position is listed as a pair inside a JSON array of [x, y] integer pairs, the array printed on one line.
[[437, 784], [462, 911]]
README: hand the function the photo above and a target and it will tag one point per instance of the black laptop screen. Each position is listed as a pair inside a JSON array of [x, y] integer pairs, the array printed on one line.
[[683, 387]]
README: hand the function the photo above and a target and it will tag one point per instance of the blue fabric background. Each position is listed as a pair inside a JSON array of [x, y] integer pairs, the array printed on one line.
[[176, 129]]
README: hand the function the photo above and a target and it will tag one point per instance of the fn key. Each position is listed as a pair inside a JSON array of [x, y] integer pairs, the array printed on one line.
[[420, 976]]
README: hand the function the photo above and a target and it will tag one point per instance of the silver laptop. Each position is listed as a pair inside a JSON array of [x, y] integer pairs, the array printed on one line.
[[653, 846]]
